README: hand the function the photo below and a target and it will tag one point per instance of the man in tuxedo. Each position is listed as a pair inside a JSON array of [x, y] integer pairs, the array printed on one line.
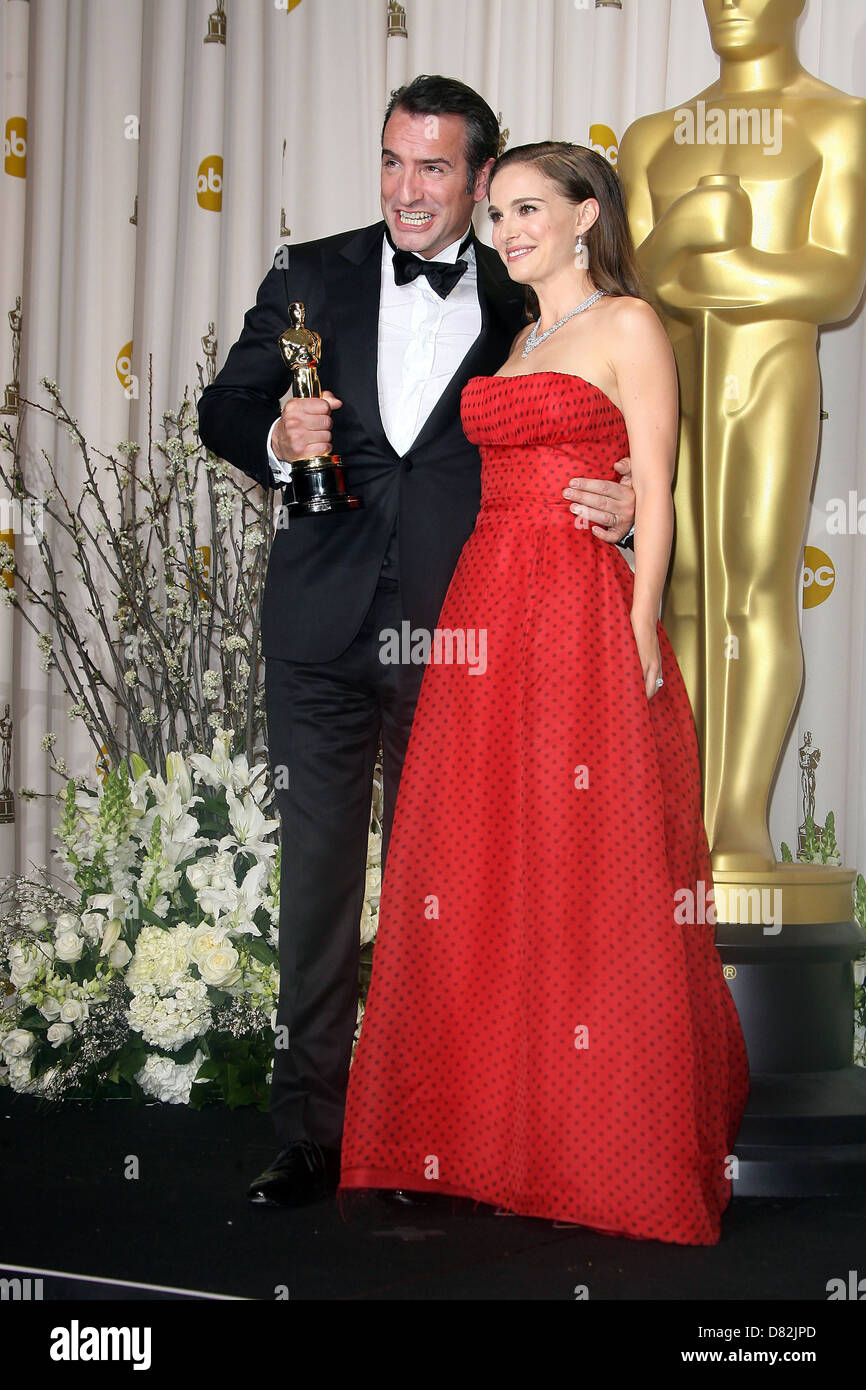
[[408, 310]]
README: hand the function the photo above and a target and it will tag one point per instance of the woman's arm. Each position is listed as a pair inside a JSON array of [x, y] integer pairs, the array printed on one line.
[[643, 361]]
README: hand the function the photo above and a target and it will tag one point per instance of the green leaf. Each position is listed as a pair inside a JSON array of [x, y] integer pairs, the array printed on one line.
[[262, 951], [147, 914], [130, 1060], [211, 1069], [204, 1093], [32, 1020]]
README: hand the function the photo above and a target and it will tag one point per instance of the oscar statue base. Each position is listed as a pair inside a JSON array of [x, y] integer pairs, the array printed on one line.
[[791, 977], [318, 486]]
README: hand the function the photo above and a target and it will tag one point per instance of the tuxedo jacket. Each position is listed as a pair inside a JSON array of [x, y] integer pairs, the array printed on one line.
[[323, 570]]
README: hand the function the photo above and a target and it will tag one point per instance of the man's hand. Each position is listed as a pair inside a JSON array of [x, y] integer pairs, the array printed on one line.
[[304, 427], [609, 507]]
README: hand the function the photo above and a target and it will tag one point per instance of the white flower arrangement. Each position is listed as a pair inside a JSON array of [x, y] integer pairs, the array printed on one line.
[[162, 980]]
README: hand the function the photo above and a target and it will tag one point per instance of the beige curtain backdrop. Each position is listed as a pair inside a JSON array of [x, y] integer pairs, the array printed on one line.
[[152, 164]]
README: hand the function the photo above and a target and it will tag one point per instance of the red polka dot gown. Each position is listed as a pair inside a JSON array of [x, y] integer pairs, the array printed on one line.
[[544, 1032]]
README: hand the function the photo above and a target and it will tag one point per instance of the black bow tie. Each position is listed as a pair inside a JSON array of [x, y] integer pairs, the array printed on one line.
[[443, 276]]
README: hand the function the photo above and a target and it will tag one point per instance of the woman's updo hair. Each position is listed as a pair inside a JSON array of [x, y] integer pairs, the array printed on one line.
[[579, 173]]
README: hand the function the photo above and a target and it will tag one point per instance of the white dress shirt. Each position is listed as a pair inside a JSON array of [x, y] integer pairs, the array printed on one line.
[[422, 339]]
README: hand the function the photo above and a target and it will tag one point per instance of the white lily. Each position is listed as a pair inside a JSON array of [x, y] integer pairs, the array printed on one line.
[[216, 770], [170, 805], [180, 841], [113, 904], [179, 773], [252, 780], [249, 826], [240, 901]]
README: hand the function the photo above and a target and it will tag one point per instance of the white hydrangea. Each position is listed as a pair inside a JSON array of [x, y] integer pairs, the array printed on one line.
[[19, 1076], [160, 958], [170, 1022], [168, 1081]]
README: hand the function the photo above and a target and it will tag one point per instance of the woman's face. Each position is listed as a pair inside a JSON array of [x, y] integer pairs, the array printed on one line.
[[534, 227]]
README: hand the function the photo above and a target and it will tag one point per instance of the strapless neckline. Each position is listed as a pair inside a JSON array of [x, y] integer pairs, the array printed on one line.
[[521, 376]]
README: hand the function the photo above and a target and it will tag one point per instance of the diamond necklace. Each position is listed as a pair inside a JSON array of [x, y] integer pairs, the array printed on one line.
[[534, 338]]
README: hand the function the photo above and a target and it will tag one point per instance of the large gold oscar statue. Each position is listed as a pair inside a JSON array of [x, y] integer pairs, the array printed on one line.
[[748, 206]]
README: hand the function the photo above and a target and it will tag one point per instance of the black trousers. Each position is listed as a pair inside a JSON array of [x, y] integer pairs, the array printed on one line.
[[324, 721]]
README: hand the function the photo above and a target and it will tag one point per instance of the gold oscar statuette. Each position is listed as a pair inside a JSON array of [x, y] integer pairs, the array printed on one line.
[[746, 206], [318, 483]]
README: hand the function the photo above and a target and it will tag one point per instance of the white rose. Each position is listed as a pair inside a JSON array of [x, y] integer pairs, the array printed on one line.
[[120, 955], [68, 946], [18, 1043], [91, 925], [73, 1011], [198, 875], [37, 925], [50, 1009], [202, 941], [65, 922], [110, 935], [219, 966], [58, 1033]]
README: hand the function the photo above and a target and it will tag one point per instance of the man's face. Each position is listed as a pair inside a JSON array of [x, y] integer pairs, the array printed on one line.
[[750, 28], [424, 178]]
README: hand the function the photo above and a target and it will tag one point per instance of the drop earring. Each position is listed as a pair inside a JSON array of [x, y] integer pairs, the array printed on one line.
[[581, 254]]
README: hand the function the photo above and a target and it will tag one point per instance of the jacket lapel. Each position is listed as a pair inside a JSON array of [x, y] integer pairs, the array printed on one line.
[[500, 301], [353, 279]]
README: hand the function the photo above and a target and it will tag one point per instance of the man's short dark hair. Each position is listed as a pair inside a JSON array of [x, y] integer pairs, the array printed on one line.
[[445, 96]]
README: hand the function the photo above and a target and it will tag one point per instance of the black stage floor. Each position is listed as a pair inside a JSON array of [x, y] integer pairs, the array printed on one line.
[[182, 1229]]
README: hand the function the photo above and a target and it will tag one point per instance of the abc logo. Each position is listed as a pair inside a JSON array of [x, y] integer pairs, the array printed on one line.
[[7, 577], [123, 365], [603, 141], [819, 576], [209, 183], [15, 147]]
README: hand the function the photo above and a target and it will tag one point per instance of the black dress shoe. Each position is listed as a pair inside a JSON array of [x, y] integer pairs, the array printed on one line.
[[304, 1172]]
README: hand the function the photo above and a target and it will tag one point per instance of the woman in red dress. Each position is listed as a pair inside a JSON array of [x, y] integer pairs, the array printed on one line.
[[544, 1030]]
